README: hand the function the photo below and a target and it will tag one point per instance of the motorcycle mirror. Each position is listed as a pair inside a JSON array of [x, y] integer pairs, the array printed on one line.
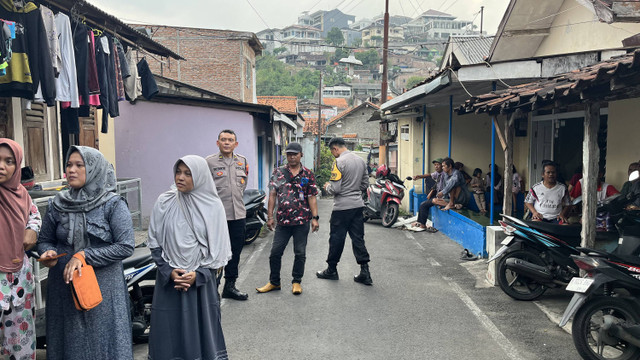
[[577, 200], [634, 175]]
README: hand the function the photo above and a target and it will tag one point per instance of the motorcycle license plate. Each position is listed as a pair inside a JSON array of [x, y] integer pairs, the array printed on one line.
[[505, 246], [579, 285]]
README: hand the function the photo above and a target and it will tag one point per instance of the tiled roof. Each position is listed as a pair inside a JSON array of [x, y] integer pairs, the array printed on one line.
[[609, 80], [340, 103], [311, 124], [284, 104], [352, 109]]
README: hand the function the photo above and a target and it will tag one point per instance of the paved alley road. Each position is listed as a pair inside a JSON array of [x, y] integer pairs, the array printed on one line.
[[424, 304]]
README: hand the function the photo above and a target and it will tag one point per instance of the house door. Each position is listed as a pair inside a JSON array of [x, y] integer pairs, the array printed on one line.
[[541, 148], [6, 123], [34, 125], [89, 135]]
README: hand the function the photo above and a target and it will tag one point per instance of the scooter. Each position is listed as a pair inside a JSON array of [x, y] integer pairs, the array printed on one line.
[[256, 213], [383, 198], [606, 301], [138, 267]]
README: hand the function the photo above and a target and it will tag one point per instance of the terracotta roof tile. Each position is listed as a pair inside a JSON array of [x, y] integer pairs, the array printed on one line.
[[284, 104], [340, 103]]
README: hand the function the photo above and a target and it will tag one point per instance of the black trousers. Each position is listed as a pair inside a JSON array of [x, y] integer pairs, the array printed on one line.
[[343, 222], [423, 212], [280, 241], [237, 237]]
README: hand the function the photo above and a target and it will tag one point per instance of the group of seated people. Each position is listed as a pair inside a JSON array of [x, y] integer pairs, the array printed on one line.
[[548, 200]]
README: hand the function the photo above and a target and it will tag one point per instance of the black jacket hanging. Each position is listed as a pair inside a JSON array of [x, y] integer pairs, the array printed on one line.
[[102, 63]]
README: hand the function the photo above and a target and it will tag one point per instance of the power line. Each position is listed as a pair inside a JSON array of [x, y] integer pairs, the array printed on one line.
[[260, 16]]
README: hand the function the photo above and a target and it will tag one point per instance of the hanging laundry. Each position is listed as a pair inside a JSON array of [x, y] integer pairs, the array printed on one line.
[[94, 85], [48, 19], [124, 65], [149, 86], [30, 63], [114, 110], [132, 84], [80, 35], [6, 37], [67, 81], [119, 83]]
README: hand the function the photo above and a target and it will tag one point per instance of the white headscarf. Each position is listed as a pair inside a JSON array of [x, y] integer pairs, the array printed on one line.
[[191, 228]]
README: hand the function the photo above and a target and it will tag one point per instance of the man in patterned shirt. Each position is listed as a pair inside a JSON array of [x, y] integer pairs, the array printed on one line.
[[294, 186]]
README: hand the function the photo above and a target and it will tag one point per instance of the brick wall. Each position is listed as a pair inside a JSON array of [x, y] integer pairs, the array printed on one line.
[[217, 60]]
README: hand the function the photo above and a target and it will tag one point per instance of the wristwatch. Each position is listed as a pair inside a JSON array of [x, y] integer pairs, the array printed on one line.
[[316, 217]]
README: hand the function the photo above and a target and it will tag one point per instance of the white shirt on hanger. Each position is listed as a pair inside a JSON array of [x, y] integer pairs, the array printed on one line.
[[67, 81]]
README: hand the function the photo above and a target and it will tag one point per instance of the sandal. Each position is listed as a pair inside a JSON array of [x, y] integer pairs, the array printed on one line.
[[466, 255], [458, 206], [431, 230]]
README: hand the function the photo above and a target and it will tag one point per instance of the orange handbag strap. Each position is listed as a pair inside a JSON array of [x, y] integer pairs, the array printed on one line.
[[81, 258]]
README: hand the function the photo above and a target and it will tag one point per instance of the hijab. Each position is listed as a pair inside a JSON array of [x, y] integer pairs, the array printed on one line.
[[73, 204], [15, 203], [191, 228]]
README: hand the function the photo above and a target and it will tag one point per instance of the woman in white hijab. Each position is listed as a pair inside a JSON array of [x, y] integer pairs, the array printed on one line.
[[189, 241]]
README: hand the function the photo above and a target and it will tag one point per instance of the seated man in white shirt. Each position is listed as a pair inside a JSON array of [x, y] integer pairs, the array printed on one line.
[[548, 200]]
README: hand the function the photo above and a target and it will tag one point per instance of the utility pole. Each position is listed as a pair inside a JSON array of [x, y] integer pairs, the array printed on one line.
[[382, 150], [318, 138], [481, 19]]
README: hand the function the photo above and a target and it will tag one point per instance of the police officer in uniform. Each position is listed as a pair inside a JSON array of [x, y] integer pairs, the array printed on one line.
[[230, 172], [349, 178]]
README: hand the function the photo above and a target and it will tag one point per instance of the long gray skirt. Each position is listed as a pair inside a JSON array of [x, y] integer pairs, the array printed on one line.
[[186, 325]]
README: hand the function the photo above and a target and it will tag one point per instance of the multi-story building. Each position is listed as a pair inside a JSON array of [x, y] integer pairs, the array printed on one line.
[[221, 61], [271, 39], [373, 35], [326, 20], [433, 24], [303, 39]]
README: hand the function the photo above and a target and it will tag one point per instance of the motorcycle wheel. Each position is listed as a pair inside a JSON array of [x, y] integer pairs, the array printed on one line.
[[390, 214], [147, 298], [592, 341], [518, 286], [251, 236]]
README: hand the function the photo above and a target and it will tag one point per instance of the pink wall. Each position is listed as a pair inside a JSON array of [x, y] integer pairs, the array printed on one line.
[[150, 137]]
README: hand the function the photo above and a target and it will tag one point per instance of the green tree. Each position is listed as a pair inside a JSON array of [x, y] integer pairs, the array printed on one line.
[[338, 54], [273, 77], [279, 50], [323, 173], [370, 58], [335, 37], [413, 81]]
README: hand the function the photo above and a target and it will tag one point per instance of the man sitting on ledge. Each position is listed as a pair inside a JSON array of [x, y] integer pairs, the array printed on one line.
[[454, 193]]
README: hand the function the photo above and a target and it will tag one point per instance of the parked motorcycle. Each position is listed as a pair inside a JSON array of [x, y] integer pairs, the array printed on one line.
[[606, 301], [383, 198], [256, 213], [138, 267]]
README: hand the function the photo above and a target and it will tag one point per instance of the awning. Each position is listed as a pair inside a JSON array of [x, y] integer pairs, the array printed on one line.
[[441, 81], [283, 118]]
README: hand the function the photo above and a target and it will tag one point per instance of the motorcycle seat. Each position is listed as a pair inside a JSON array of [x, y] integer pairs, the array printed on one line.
[[568, 233], [253, 195], [376, 190], [140, 256]]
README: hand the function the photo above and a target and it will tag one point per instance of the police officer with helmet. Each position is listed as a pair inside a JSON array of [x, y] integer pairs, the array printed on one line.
[[230, 172]]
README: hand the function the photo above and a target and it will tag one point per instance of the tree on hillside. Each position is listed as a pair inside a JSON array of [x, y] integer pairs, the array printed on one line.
[[413, 81], [335, 37], [338, 54], [274, 77], [370, 58], [279, 50]]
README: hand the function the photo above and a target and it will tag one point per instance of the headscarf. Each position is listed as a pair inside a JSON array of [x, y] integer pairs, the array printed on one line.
[[73, 204], [199, 213], [14, 215]]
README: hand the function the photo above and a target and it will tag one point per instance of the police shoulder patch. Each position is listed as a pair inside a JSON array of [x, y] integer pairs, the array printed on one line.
[[335, 173]]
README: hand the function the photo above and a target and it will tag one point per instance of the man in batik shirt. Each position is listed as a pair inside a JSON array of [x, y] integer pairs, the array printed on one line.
[[294, 187]]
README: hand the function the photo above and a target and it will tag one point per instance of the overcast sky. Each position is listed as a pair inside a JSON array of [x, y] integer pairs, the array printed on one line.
[[239, 14]]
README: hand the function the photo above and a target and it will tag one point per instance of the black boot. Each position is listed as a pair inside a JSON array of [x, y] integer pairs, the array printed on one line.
[[330, 273], [231, 292], [364, 277]]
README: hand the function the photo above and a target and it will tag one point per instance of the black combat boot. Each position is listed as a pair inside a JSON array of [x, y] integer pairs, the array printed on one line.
[[364, 277], [231, 292], [330, 273]]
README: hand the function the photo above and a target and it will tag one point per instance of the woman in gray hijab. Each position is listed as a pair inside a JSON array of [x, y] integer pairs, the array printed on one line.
[[189, 240], [91, 220]]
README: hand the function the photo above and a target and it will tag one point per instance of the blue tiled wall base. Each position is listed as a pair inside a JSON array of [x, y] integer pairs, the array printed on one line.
[[461, 229]]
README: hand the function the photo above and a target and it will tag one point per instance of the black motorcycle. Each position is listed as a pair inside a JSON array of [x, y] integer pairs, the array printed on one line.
[[606, 302], [256, 213]]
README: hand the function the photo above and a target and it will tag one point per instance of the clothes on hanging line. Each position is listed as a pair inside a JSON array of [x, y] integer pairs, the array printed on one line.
[[7, 34]]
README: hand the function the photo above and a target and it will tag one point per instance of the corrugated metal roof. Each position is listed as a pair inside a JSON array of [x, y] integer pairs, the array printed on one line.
[[614, 79], [474, 48]]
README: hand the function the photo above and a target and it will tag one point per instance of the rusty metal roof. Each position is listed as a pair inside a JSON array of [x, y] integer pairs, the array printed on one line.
[[614, 79]]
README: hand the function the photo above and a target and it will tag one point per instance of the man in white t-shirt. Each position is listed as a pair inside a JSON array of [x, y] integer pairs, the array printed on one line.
[[548, 200]]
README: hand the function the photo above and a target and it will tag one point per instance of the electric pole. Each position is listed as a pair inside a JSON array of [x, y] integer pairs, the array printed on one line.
[[382, 150], [481, 18]]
